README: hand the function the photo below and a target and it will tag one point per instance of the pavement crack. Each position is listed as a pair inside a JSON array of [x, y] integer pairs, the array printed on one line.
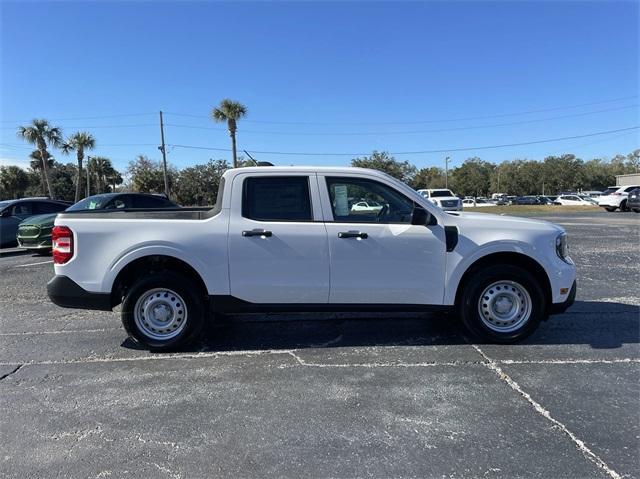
[[582, 447], [15, 370]]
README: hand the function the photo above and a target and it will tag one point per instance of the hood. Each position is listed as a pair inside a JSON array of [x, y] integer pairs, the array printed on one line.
[[41, 220], [504, 222]]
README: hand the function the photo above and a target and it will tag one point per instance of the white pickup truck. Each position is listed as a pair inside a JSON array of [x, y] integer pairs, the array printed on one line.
[[286, 239]]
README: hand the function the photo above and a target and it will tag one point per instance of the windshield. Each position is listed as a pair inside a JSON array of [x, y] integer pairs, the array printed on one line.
[[96, 202], [437, 193], [4, 204]]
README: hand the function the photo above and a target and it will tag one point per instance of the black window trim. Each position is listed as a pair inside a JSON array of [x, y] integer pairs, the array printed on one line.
[[333, 220], [245, 192]]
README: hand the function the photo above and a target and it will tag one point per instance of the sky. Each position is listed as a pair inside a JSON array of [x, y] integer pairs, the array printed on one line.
[[422, 80]]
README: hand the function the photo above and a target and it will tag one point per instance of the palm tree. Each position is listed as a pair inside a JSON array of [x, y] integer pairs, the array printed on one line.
[[230, 111], [40, 133], [103, 170], [79, 142], [36, 165]]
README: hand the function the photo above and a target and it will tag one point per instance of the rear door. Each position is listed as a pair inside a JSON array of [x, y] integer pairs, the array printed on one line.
[[278, 251], [379, 257]]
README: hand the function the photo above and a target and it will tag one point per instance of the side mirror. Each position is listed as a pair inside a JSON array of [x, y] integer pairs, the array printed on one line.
[[422, 217]]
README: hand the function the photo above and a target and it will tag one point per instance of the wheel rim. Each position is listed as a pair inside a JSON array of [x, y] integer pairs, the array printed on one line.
[[504, 306], [160, 314]]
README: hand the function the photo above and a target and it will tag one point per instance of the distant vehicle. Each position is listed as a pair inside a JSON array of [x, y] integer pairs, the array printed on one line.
[[545, 200], [35, 232], [526, 200], [511, 199], [589, 199], [612, 200], [368, 206], [633, 201], [591, 194], [13, 212], [477, 203], [443, 198], [498, 196], [573, 200]]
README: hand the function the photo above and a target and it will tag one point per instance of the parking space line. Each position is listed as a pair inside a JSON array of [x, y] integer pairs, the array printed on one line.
[[67, 331], [33, 264], [588, 453]]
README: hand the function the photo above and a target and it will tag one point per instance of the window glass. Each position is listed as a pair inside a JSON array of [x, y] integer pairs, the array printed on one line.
[[96, 202], [277, 198], [22, 209], [50, 207], [140, 201], [631, 188], [383, 204], [441, 193]]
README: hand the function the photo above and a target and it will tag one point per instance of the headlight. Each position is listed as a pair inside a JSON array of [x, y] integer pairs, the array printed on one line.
[[562, 248]]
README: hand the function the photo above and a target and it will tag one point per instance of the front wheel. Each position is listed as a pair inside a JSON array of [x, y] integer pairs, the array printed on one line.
[[501, 304], [163, 311]]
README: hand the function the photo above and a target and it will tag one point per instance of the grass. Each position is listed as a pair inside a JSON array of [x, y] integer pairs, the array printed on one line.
[[534, 209]]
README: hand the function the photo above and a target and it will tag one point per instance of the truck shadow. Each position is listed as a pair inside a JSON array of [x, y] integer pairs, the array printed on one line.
[[600, 325]]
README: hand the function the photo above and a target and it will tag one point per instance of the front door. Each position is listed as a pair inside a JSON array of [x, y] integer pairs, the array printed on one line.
[[278, 251], [377, 255]]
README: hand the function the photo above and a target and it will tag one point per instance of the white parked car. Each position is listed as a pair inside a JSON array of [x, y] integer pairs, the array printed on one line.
[[285, 239], [370, 206], [476, 203], [573, 200], [443, 198], [612, 199]]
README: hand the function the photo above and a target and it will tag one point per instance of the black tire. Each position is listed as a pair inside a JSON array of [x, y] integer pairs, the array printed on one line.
[[636, 210], [194, 310], [468, 303], [610, 209], [623, 206]]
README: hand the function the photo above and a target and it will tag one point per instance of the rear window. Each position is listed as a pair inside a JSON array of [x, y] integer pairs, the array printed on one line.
[[441, 193], [277, 198], [50, 207], [96, 202], [142, 201]]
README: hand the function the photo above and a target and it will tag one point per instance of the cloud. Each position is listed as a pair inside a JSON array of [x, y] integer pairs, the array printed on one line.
[[14, 162]]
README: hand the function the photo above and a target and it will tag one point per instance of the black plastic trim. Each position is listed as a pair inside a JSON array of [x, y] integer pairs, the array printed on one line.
[[65, 292], [451, 237], [231, 304], [558, 308]]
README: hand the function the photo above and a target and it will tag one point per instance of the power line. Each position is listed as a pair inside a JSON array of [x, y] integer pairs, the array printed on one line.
[[412, 132], [416, 122], [441, 150], [89, 127], [122, 115]]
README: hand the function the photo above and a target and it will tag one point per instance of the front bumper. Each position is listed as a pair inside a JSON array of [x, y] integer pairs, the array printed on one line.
[[558, 308], [65, 292]]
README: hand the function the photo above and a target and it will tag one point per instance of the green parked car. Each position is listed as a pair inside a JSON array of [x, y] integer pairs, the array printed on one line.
[[35, 232]]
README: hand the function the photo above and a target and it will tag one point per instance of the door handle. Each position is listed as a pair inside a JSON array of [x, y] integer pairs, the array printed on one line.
[[352, 234], [257, 233]]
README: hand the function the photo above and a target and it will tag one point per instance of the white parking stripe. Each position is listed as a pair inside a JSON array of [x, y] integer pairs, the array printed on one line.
[[33, 264]]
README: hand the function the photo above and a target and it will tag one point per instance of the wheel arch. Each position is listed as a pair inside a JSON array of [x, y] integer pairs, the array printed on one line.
[[513, 259], [153, 263]]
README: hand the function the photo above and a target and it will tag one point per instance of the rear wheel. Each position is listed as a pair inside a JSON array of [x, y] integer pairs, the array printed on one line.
[[502, 304], [610, 209], [623, 206], [163, 311]]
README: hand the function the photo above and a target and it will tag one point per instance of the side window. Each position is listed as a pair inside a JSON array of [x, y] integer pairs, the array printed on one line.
[[277, 198], [148, 202], [631, 188], [50, 207], [22, 209], [382, 203]]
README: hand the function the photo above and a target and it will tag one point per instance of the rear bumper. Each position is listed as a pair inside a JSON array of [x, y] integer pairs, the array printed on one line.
[[65, 292], [558, 308]]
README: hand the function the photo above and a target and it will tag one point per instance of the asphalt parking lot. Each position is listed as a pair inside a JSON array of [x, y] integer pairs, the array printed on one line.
[[333, 395]]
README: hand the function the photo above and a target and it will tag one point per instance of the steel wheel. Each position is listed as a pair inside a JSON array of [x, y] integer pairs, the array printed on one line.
[[160, 314], [504, 306]]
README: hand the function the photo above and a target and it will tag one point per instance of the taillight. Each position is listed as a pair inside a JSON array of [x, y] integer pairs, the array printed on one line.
[[62, 244]]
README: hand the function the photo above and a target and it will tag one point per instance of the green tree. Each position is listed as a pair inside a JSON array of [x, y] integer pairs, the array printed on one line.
[[147, 176], [473, 177], [36, 166], [230, 111], [79, 142], [428, 178], [13, 182], [563, 173], [633, 161], [41, 134], [104, 173], [381, 160], [198, 184]]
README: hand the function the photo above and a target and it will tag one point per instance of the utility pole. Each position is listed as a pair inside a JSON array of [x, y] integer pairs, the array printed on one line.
[[164, 156], [87, 171], [446, 172]]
